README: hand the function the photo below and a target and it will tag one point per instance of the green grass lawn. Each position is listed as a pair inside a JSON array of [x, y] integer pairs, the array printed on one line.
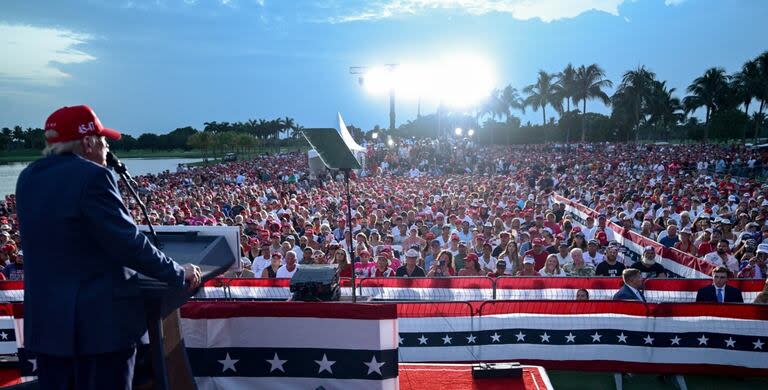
[[575, 380]]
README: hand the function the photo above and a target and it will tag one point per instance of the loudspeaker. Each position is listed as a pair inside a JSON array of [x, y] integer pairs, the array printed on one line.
[[316, 282]]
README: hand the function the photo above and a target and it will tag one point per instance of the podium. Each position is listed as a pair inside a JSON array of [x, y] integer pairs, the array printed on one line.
[[214, 250]]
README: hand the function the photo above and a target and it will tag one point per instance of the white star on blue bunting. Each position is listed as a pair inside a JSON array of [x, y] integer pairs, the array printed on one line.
[[228, 364], [325, 364], [374, 366]]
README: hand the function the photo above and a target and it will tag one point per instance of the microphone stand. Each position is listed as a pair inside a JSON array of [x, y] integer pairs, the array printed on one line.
[[153, 307], [121, 170], [347, 173]]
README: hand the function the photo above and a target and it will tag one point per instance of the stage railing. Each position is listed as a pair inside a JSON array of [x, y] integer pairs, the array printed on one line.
[[476, 289], [454, 289]]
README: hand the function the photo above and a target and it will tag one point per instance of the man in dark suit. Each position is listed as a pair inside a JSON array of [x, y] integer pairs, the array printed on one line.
[[719, 290], [83, 311], [631, 290]]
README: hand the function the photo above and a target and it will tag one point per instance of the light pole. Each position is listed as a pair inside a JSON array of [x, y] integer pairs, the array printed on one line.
[[361, 71]]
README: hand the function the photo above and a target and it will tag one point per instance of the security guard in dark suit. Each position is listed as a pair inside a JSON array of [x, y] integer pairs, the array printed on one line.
[[83, 312]]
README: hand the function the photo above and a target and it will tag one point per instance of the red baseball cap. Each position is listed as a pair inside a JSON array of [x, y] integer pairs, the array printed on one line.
[[76, 122]]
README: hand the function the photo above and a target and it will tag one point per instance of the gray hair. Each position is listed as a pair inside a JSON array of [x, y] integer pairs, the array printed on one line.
[[577, 250], [67, 146], [59, 147]]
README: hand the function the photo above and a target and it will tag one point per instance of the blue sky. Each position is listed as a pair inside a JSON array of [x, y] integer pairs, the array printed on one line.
[[154, 65]]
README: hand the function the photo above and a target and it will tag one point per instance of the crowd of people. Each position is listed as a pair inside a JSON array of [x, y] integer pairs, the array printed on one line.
[[444, 208]]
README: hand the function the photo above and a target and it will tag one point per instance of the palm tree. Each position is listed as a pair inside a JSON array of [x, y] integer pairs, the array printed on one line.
[[287, 125], [747, 84], [762, 92], [566, 84], [541, 93], [590, 81], [512, 100], [663, 108], [705, 91], [636, 93], [566, 89]]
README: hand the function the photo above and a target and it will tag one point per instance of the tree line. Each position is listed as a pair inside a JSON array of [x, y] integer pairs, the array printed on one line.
[[215, 137], [642, 107]]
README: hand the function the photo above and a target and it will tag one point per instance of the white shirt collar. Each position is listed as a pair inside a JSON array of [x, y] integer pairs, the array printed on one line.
[[636, 291]]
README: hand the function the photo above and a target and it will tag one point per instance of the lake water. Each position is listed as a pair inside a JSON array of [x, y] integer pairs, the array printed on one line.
[[9, 173]]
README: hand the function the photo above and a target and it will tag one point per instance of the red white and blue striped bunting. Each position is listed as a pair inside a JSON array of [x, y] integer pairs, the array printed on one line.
[[680, 263], [291, 345], [621, 336]]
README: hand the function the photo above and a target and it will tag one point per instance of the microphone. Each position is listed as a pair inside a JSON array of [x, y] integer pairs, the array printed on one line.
[[119, 168], [116, 165]]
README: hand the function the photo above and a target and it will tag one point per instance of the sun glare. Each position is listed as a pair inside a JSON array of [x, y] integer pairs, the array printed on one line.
[[455, 81]]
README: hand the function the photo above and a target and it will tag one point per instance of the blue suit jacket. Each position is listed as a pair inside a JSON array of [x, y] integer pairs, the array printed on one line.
[[708, 294], [77, 238], [625, 294]]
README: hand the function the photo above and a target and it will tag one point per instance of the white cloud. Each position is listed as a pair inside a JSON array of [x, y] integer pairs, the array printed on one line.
[[32, 54], [674, 2], [546, 10]]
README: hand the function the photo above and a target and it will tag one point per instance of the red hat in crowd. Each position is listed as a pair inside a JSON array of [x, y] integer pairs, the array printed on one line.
[[471, 257], [74, 123]]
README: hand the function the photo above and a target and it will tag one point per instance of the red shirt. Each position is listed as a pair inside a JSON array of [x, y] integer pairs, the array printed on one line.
[[704, 248], [539, 260], [384, 274], [346, 272]]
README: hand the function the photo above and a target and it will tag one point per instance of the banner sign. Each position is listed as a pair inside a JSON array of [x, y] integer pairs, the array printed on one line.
[[678, 262]]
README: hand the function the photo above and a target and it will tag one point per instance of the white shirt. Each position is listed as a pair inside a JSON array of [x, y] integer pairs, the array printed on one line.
[[597, 259], [722, 293], [543, 273], [283, 272], [259, 264], [510, 269], [490, 264], [591, 233], [637, 293], [730, 262], [299, 253], [564, 259]]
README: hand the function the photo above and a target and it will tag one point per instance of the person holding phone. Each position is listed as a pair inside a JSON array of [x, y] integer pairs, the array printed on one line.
[[443, 266]]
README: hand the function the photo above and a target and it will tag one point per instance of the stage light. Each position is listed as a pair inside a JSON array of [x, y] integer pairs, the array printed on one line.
[[471, 132], [375, 135], [391, 142], [456, 81], [458, 131]]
